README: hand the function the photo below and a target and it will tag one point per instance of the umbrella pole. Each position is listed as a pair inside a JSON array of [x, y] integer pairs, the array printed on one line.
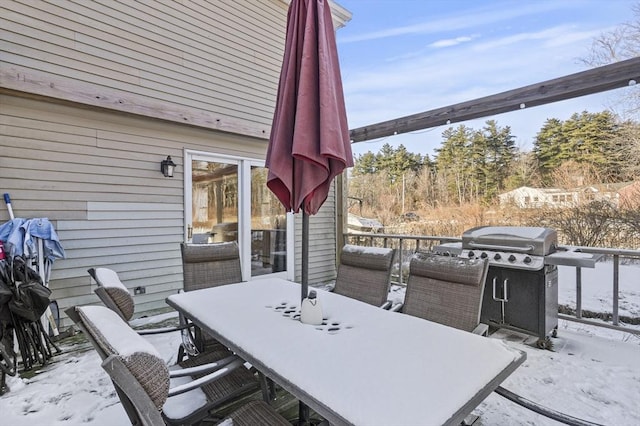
[[305, 254], [303, 409]]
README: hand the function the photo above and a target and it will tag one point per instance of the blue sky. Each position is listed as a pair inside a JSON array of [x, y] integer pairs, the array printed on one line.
[[404, 57]]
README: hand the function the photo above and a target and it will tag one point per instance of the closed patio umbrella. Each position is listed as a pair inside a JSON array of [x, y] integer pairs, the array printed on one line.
[[309, 143]]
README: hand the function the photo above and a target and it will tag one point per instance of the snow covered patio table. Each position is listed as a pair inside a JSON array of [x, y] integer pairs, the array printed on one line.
[[341, 368]]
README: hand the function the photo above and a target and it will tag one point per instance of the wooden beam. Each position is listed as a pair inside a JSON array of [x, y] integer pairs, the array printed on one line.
[[600, 79], [37, 84]]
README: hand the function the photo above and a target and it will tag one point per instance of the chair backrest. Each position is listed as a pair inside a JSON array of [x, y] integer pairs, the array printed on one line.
[[210, 265], [446, 289], [139, 374], [112, 292], [364, 273]]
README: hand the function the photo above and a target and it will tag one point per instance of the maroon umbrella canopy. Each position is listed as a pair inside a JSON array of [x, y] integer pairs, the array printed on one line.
[[309, 143]]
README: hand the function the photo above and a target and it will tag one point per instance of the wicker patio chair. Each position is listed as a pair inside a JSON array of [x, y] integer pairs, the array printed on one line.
[[116, 296], [447, 290], [364, 274], [152, 393], [209, 265]]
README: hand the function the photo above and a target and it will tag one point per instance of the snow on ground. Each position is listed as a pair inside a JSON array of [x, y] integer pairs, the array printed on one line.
[[592, 373], [597, 288]]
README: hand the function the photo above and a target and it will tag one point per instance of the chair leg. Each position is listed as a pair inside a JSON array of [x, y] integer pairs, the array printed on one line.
[[267, 387], [180, 354], [272, 388]]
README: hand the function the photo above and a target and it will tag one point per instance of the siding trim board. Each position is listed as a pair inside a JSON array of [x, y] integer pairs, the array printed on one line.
[[44, 84]]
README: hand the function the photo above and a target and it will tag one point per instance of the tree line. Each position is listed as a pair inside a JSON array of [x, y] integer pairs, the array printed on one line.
[[472, 166], [475, 165]]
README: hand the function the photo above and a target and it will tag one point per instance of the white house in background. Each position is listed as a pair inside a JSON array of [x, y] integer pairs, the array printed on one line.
[[528, 197], [623, 194], [94, 95]]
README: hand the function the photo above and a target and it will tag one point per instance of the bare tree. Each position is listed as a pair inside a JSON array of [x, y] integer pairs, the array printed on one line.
[[628, 144], [571, 174], [581, 225], [621, 43]]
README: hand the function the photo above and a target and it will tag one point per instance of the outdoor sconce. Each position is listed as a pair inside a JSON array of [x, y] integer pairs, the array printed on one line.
[[167, 166]]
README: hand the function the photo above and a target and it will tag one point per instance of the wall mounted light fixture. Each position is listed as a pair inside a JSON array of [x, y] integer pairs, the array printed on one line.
[[167, 166]]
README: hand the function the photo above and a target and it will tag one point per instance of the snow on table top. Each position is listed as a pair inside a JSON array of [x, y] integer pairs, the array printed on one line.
[[345, 364]]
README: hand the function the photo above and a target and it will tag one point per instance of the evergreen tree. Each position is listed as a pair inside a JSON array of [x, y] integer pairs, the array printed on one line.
[[586, 138], [499, 149], [548, 147], [453, 160], [365, 164]]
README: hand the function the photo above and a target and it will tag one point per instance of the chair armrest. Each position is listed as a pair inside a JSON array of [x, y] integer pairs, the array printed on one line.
[[387, 305], [204, 368], [163, 329], [397, 307], [481, 330], [206, 379]]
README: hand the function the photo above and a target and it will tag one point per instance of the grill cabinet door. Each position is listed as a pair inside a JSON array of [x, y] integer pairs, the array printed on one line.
[[531, 299]]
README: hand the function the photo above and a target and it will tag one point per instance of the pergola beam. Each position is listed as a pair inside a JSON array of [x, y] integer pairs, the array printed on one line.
[[596, 80]]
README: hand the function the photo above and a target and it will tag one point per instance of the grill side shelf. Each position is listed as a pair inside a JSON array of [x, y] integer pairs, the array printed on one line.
[[573, 258]]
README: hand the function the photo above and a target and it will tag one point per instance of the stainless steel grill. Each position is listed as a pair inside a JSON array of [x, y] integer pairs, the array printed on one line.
[[521, 291], [510, 247]]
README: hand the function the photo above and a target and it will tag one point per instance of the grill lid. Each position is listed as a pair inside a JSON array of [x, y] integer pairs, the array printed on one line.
[[536, 241]]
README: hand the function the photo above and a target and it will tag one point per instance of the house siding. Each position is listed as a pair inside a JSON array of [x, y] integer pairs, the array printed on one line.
[[96, 176], [322, 242], [93, 95], [212, 64]]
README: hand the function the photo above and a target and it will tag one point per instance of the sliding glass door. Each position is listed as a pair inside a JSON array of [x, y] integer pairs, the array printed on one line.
[[226, 199]]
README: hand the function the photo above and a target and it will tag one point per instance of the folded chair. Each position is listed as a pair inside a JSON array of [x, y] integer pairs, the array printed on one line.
[[447, 290], [364, 274], [209, 265], [154, 394]]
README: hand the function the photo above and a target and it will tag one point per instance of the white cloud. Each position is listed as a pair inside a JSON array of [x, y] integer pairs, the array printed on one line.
[[462, 19], [451, 42], [396, 78]]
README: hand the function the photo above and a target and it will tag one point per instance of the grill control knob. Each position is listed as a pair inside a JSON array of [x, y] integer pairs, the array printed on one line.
[[497, 256], [527, 260], [471, 254], [484, 255], [512, 258]]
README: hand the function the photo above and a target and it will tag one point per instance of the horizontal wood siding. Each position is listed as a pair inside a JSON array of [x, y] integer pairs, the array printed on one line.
[[322, 242], [94, 94], [96, 176], [209, 63]]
